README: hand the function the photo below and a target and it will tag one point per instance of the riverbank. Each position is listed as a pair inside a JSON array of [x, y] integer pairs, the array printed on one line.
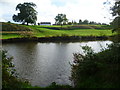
[[49, 62], [57, 39], [10, 30]]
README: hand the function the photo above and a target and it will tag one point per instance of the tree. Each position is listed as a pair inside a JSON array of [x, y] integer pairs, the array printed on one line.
[[80, 21], [74, 22], [116, 21], [69, 23], [61, 19], [27, 13], [85, 22]]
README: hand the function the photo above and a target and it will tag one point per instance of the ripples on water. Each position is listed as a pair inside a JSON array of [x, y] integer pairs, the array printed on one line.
[[44, 63]]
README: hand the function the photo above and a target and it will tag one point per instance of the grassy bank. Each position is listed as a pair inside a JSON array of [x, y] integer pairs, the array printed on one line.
[[20, 31]]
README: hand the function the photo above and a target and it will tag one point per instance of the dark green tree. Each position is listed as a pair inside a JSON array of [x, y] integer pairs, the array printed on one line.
[[61, 19], [27, 13], [85, 22], [80, 21], [74, 23], [116, 12], [69, 23]]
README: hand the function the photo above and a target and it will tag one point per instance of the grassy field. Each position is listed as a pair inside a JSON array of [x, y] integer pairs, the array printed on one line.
[[19, 31]]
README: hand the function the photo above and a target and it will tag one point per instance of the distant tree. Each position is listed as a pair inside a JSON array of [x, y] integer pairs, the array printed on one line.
[[104, 24], [61, 19], [9, 22], [100, 24], [69, 23], [116, 12], [92, 22], [27, 13], [74, 22], [80, 21], [85, 22]]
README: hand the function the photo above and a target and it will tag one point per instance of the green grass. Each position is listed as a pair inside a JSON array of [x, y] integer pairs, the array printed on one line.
[[68, 30], [10, 35], [40, 31]]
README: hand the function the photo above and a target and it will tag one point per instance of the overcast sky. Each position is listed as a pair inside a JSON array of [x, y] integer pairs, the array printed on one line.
[[93, 10]]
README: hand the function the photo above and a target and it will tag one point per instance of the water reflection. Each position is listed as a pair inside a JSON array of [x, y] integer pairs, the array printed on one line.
[[44, 63]]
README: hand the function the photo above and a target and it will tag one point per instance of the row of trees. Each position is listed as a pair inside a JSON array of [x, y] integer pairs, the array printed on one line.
[[28, 14], [85, 22]]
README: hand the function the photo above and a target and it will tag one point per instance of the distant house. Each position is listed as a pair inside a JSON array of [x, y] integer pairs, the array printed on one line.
[[44, 23]]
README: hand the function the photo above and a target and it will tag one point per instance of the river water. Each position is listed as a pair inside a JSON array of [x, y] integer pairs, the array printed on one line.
[[44, 63]]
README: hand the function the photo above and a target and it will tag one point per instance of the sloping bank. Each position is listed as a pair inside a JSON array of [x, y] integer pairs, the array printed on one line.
[[58, 39]]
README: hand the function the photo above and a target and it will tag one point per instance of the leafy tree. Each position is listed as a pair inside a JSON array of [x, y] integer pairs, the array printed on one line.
[[80, 21], [116, 21], [10, 78], [61, 19], [97, 70], [85, 22], [74, 22], [69, 23], [27, 13]]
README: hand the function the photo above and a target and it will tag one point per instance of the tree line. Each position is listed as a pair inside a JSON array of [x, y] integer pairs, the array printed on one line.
[[28, 15]]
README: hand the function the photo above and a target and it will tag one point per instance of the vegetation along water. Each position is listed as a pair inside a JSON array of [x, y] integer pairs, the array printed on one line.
[[49, 56]]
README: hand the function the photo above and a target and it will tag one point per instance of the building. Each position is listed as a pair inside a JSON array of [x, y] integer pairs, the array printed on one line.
[[44, 23]]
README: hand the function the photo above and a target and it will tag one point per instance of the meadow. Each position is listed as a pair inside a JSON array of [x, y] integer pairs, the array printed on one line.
[[19, 31]]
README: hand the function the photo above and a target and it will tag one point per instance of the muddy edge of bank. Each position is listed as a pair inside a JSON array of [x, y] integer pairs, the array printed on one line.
[[57, 39]]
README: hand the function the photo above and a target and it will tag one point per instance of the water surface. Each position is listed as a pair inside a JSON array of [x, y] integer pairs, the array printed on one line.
[[44, 63]]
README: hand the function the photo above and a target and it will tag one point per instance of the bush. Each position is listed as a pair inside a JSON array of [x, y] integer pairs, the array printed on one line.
[[97, 70], [14, 27], [9, 78]]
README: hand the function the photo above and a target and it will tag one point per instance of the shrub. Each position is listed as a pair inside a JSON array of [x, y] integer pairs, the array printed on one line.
[[97, 70], [9, 78]]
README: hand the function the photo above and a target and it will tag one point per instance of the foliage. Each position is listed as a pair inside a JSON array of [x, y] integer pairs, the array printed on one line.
[[54, 85], [90, 22], [27, 13], [116, 24], [9, 78], [97, 70], [116, 12], [61, 19], [85, 22]]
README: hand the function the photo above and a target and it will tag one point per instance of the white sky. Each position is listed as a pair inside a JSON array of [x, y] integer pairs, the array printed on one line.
[[92, 10]]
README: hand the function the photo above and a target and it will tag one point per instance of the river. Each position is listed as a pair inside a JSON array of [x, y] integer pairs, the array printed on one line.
[[44, 63]]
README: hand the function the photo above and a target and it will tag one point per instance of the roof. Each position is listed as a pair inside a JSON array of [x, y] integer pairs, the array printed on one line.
[[45, 22]]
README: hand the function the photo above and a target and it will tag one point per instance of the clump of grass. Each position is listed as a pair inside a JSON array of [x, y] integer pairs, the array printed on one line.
[[14, 27]]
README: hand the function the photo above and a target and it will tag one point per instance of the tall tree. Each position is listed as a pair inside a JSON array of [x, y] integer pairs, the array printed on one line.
[[86, 22], [60, 19], [27, 13], [80, 21], [116, 13]]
